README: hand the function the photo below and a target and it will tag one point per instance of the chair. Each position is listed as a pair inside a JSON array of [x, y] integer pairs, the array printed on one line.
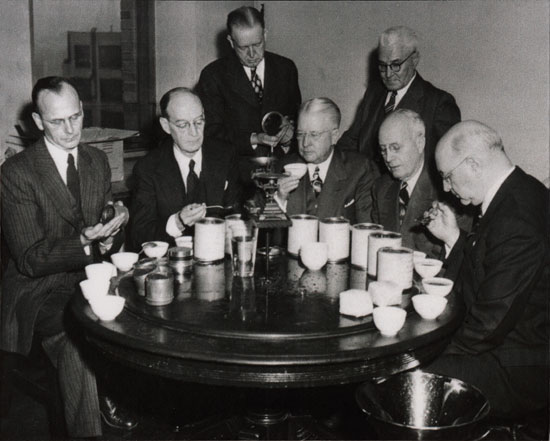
[[36, 377]]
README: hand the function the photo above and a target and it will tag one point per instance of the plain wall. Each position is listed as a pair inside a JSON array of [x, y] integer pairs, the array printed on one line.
[[15, 69], [189, 35], [50, 29], [492, 55]]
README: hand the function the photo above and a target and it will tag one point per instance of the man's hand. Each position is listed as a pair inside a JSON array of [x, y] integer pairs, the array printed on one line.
[[443, 223], [264, 138], [192, 213], [287, 131], [286, 185], [103, 232]]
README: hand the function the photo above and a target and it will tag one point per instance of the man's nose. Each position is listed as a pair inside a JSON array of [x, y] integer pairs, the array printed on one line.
[[193, 129], [250, 52], [68, 125]]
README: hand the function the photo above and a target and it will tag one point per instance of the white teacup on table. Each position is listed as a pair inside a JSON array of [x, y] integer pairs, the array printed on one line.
[[124, 261], [314, 255], [92, 288], [100, 271], [155, 248]]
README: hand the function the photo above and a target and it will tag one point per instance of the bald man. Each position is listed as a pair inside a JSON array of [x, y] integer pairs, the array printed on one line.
[[502, 345], [400, 87], [176, 182]]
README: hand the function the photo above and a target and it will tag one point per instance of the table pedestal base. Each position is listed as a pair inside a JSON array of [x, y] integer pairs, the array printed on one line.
[[266, 424]]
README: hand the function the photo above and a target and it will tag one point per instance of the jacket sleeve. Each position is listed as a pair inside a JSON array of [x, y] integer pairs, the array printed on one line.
[[513, 261], [36, 253], [350, 139], [363, 192], [146, 222]]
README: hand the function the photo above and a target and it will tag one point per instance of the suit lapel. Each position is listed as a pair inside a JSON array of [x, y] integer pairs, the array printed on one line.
[[172, 188], [421, 197], [269, 84], [212, 173], [414, 95], [333, 186], [89, 185], [375, 114], [53, 185], [389, 217]]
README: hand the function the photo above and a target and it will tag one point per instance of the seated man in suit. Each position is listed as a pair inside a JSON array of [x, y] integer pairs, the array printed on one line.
[[401, 87], [502, 345], [401, 197], [237, 91], [53, 194], [175, 182], [337, 183]]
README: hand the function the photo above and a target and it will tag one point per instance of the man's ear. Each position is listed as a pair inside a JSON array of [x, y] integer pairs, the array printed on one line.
[[164, 124], [420, 142], [416, 58], [230, 41], [265, 35], [334, 135], [474, 164], [38, 120]]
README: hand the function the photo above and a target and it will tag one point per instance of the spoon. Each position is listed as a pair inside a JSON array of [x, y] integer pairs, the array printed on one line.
[[219, 206]]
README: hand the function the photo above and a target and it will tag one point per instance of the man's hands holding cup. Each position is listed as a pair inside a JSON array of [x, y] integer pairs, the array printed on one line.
[[286, 186]]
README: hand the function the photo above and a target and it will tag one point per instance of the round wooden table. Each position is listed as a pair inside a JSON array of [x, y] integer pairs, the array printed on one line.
[[281, 331]]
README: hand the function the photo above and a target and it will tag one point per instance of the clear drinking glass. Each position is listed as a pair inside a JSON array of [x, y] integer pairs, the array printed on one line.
[[244, 238]]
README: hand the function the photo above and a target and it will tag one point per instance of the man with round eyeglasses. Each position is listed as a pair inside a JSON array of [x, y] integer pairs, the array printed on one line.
[[177, 182], [502, 271], [400, 87], [337, 183]]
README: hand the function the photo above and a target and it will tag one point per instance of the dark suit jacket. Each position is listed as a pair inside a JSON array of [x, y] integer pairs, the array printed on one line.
[[159, 190], [231, 108], [346, 190], [437, 108], [503, 279], [385, 211], [42, 225]]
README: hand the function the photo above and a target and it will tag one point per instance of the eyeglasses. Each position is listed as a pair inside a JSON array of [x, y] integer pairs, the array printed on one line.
[[314, 136], [186, 125], [447, 176], [59, 122], [395, 66]]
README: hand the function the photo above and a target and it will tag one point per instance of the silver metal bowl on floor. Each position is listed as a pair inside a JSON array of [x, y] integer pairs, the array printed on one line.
[[418, 405]]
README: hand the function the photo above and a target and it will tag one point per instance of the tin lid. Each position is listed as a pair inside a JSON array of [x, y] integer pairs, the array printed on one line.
[[395, 250], [210, 220], [180, 253], [334, 220], [385, 235], [304, 216], [367, 226]]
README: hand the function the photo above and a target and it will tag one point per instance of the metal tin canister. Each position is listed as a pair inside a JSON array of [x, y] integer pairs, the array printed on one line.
[[209, 240], [395, 264], [334, 231], [159, 288], [360, 242], [378, 240], [304, 229], [141, 270], [180, 259]]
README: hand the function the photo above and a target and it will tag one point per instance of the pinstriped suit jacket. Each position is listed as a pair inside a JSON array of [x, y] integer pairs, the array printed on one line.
[[41, 226]]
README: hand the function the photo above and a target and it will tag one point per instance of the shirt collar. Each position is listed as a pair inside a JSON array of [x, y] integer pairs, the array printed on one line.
[[490, 195], [59, 156], [260, 71], [323, 167], [183, 161], [411, 182]]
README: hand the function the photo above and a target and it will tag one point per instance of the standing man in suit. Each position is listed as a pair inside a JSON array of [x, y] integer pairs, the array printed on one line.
[[52, 197], [237, 91], [337, 183], [502, 345], [175, 182], [401, 87]]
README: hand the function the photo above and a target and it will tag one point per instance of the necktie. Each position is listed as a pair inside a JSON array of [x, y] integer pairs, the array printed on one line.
[[391, 103], [192, 184], [256, 84], [403, 201], [317, 182], [73, 182]]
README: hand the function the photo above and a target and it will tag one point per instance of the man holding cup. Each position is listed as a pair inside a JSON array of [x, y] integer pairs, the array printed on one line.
[[53, 194], [337, 182]]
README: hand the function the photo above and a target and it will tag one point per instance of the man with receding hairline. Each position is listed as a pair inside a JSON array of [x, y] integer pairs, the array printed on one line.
[[176, 182], [238, 90], [401, 196], [502, 345], [337, 183], [400, 87], [53, 193]]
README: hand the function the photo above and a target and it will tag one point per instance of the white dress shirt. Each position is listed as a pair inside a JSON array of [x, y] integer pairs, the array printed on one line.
[[411, 182], [60, 157], [183, 163], [260, 71]]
